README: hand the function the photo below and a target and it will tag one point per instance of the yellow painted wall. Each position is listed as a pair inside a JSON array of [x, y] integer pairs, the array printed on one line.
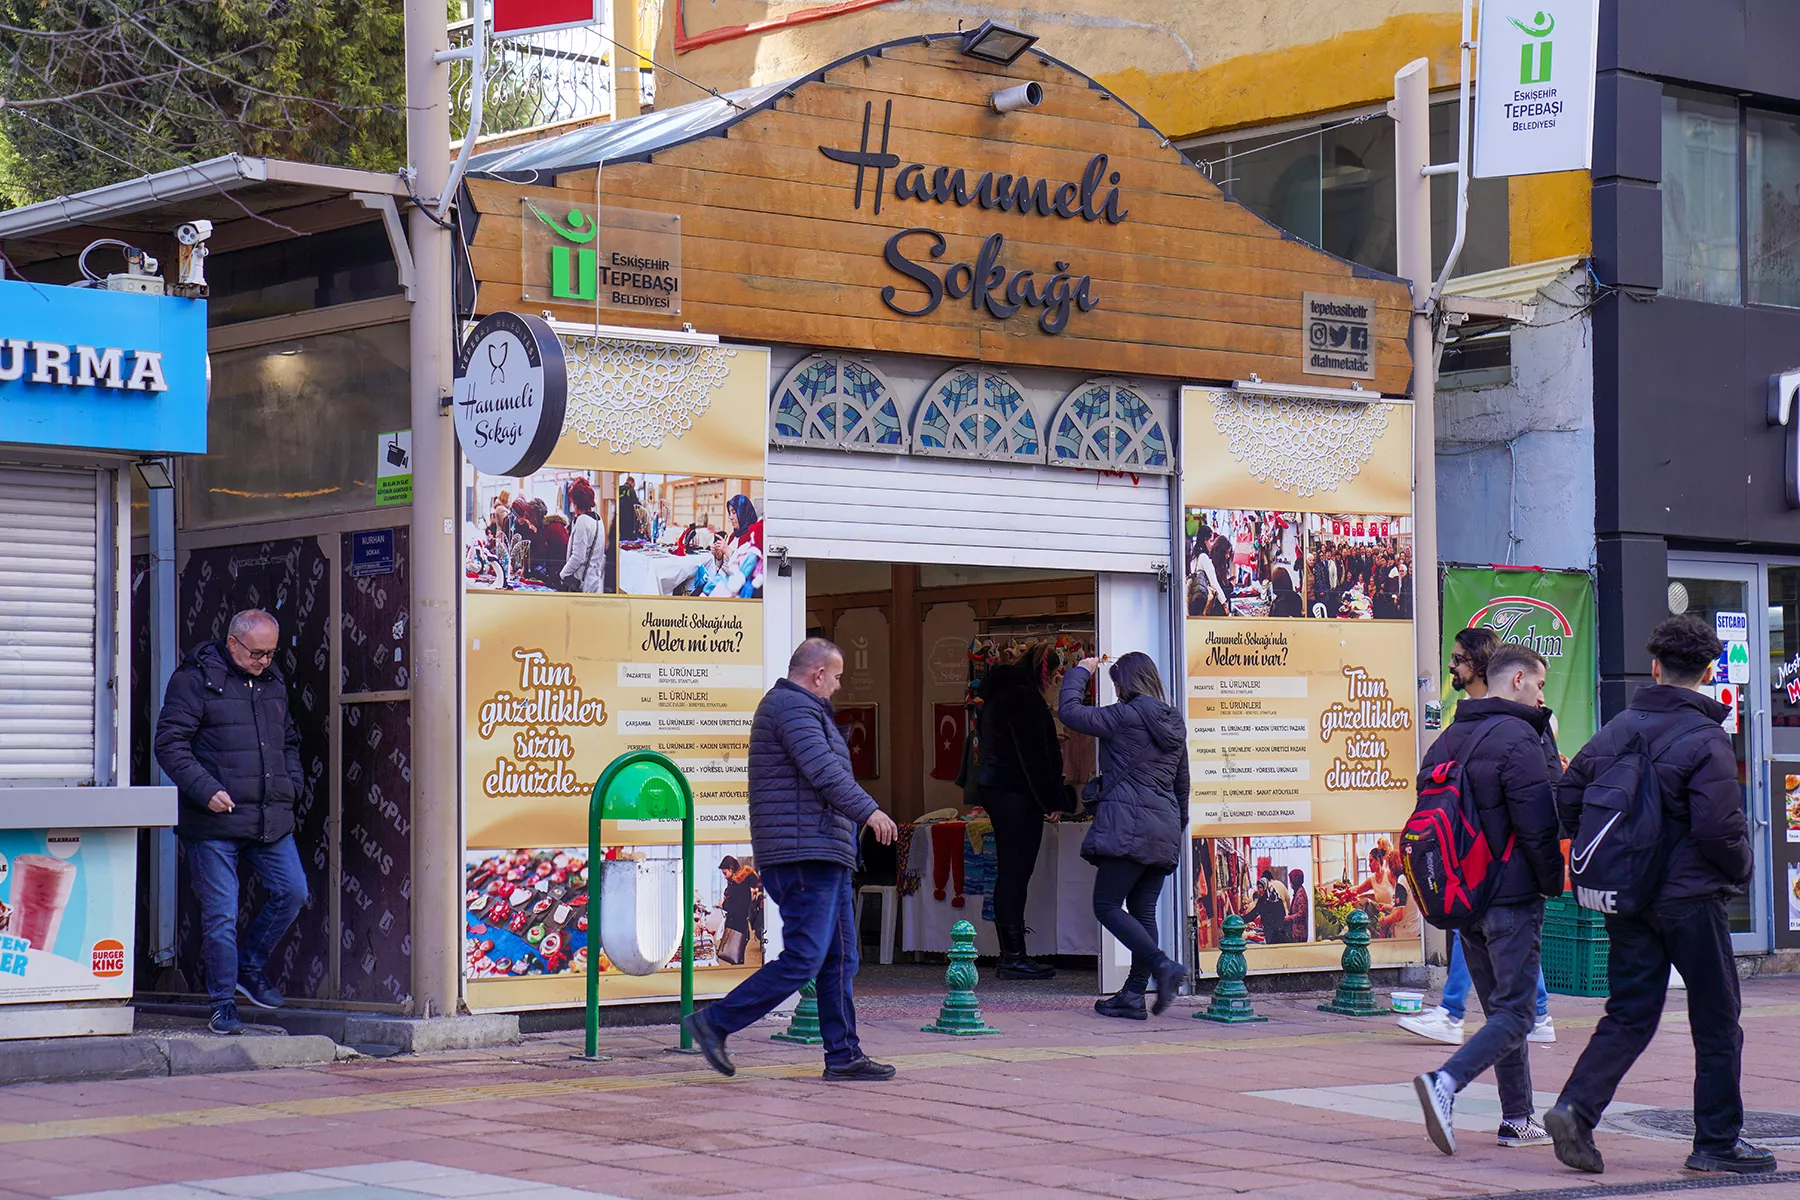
[[1199, 67]]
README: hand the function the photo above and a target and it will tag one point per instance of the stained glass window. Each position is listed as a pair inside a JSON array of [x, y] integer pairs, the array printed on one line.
[[839, 403], [973, 411], [1106, 426]]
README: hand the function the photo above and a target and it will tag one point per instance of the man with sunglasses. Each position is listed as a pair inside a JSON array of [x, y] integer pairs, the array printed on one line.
[[226, 740]]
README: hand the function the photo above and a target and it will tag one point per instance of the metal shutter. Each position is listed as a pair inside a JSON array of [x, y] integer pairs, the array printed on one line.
[[828, 504], [49, 566]]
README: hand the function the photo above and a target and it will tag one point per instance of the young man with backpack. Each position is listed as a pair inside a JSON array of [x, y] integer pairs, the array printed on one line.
[[1481, 853], [1655, 814]]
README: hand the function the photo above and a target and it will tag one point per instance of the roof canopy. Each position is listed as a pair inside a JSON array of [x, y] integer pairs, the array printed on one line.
[[882, 203]]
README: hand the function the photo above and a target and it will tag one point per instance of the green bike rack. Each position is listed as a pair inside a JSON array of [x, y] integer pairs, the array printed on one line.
[[640, 786]]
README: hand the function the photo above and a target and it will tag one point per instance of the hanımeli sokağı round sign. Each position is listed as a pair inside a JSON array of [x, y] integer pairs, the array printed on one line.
[[511, 390]]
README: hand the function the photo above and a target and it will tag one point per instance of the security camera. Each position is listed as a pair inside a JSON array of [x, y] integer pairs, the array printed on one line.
[[190, 266], [1012, 99]]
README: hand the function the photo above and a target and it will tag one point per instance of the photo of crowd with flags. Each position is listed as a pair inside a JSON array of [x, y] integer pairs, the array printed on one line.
[[1257, 563]]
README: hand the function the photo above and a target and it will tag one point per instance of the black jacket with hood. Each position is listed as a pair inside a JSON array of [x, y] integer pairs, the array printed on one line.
[[222, 729], [1142, 813], [1703, 802], [1020, 752], [1500, 744]]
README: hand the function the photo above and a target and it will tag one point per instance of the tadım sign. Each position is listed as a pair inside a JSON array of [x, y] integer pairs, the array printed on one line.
[[622, 258], [1551, 612], [1534, 89]]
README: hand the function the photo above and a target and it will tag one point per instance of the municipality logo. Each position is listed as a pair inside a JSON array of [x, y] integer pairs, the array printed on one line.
[[573, 272], [1534, 53]]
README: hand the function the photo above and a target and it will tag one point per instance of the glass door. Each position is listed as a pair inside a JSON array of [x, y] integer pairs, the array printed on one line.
[[1726, 594], [1782, 699]]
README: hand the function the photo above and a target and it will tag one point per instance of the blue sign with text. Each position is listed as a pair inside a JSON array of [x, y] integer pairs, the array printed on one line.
[[104, 370]]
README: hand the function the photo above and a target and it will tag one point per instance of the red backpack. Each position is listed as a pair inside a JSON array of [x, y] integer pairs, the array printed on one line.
[[1450, 866]]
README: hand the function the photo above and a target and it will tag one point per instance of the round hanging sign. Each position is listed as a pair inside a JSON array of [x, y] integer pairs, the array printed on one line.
[[512, 387]]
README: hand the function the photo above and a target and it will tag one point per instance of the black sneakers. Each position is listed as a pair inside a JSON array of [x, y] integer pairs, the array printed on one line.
[[709, 1043], [1742, 1159], [255, 987], [859, 1070], [1169, 978], [1574, 1140], [225, 1018]]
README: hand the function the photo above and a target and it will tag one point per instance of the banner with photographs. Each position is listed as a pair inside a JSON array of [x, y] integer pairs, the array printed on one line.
[[612, 602], [1299, 580]]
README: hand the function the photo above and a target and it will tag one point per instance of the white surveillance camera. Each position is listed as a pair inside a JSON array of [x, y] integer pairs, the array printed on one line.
[[1012, 99], [192, 233], [190, 266]]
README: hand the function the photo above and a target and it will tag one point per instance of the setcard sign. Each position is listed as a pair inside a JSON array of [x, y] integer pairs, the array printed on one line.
[[1534, 92]]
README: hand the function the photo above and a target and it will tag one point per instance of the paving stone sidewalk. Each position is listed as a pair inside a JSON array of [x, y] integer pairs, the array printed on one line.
[[1062, 1103]]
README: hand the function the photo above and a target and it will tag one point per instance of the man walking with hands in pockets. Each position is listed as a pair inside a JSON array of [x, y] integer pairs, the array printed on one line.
[[806, 814]]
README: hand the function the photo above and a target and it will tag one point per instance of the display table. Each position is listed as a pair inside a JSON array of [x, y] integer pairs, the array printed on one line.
[[654, 571], [68, 906], [1059, 907]]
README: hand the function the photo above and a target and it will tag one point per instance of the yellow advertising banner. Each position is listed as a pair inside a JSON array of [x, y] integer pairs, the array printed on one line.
[[1301, 701], [613, 602]]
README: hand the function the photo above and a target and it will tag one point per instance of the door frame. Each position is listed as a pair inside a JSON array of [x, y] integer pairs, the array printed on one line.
[[1753, 572]]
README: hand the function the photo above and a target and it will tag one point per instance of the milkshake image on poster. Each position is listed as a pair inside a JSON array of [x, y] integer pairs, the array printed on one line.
[[41, 887]]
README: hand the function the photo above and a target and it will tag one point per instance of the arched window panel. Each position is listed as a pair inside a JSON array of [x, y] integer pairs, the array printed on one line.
[[1104, 425], [838, 403], [973, 411]]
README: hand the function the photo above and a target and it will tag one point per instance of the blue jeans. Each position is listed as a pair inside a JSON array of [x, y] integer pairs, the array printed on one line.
[[213, 866], [818, 942], [1456, 986], [1503, 949]]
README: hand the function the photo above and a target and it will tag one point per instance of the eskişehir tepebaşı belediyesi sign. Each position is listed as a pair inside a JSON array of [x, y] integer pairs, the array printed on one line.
[[88, 368]]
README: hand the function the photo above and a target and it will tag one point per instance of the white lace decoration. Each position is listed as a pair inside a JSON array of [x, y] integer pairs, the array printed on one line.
[[1299, 446], [628, 395]]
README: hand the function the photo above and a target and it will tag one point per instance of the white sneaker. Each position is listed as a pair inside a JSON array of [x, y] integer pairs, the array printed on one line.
[[1435, 1024], [1437, 1098], [1543, 1031]]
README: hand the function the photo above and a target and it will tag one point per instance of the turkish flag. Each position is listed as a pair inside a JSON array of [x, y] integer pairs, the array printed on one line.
[[951, 723], [857, 722], [515, 17]]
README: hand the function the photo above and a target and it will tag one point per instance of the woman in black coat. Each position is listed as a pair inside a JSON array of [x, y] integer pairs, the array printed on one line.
[[1020, 781], [1140, 817]]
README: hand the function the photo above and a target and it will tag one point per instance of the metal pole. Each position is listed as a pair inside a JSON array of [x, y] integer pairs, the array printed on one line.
[[1461, 165], [687, 911], [1412, 219], [626, 60], [164, 656], [436, 784]]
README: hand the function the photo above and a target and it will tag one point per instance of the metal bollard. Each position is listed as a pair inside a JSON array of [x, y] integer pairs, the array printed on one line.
[[1231, 999], [960, 1015], [1355, 995], [803, 1030]]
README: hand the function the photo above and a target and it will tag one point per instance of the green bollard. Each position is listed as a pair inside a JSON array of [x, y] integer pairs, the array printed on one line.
[[803, 1030], [1231, 999], [960, 1015], [1355, 995]]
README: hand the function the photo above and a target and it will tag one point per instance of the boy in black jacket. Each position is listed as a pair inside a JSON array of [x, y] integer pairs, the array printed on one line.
[[1709, 861], [1497, 739]]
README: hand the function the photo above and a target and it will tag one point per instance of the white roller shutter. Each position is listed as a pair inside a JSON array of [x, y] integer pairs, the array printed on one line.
[[880, 508], [49, 566]]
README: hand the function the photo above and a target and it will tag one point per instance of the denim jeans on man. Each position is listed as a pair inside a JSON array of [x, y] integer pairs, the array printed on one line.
[[1502, 951], [1456, 985], [213, 865], [818, 942], [1694, 937]]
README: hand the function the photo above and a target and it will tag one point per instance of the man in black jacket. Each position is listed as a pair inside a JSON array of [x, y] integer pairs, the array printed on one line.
[[228, 744], [1497, 741], [1709, 862], [806, 812]]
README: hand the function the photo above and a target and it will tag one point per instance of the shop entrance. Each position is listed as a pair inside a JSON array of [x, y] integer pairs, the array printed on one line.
[[920, 641]]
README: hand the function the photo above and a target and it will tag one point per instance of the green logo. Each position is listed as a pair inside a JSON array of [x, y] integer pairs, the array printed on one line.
[[572, 275], [1534, 56]]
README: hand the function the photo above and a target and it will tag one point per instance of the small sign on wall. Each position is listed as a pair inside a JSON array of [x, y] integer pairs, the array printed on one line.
[[1339, 333], [393, 468]]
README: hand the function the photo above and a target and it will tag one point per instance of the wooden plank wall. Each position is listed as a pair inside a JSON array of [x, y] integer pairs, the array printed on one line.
[[1190, 285]]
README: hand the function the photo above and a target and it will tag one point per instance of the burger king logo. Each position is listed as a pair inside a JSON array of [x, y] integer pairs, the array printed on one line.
[[109, 958]]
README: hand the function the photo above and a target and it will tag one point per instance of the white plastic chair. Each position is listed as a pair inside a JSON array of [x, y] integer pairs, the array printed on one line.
[[890, 911]]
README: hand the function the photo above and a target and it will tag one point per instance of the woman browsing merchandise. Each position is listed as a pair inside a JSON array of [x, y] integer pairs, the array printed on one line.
[[1140, 817]]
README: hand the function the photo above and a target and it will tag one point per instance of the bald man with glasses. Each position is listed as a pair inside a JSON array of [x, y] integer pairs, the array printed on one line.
[[228, 743]]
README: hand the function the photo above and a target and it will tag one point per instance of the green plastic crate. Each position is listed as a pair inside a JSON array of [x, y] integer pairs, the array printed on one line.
[[1575, 949]]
